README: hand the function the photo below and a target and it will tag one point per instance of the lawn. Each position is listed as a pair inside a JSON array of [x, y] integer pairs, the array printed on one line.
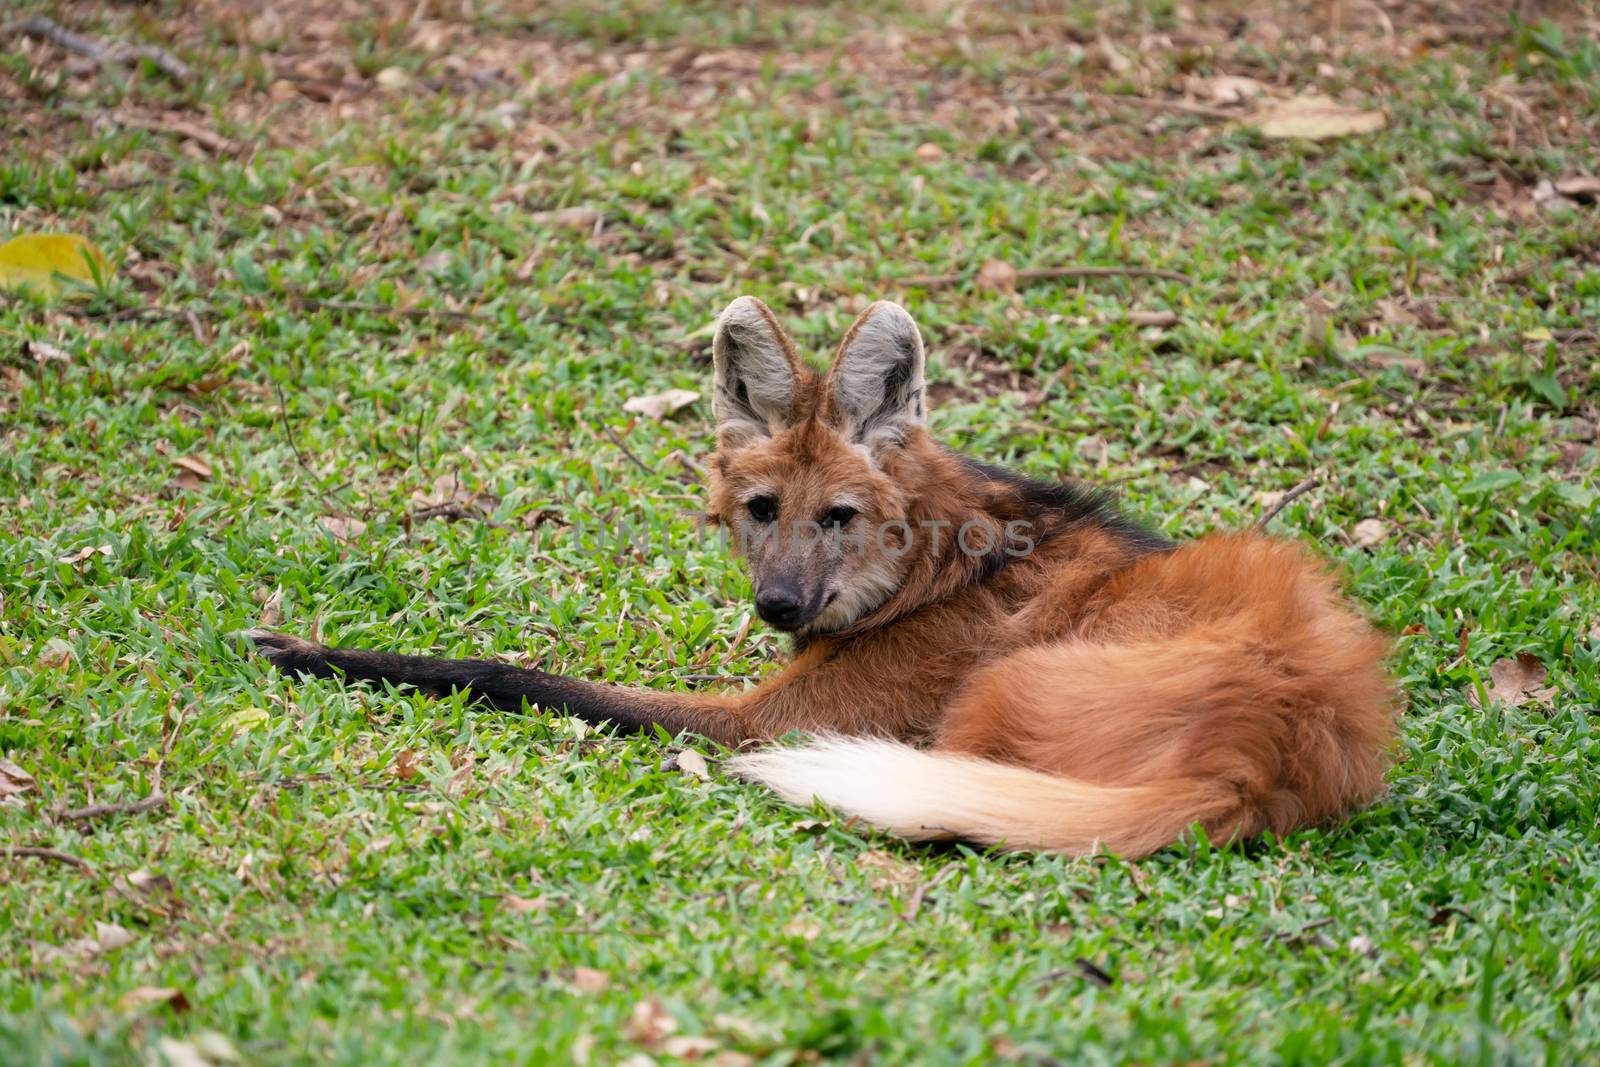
[[386, 275]]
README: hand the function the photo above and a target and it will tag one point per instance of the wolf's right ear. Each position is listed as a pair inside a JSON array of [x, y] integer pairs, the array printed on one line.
[[756, 371]]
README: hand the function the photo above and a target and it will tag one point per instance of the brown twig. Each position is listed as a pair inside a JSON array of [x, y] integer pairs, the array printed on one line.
[[454, 511], [924, 888], [1288, 498], [59, 35], [626, 451], [1155, 103], [127, 807], [16, 851], [158, 311], [1162, 103], [209, 139], [389, 309], [1038, 274], [288, 432]]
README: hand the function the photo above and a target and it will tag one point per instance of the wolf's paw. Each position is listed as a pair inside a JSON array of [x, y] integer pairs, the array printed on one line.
[[285, 652]]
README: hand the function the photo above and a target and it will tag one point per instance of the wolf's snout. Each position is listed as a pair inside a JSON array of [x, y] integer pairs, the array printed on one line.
[[780, 606]]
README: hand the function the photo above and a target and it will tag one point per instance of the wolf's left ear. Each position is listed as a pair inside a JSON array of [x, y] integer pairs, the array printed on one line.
[[875, 389]]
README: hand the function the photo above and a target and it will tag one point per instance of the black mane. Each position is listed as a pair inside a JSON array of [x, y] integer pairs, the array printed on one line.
[[1073, 504]]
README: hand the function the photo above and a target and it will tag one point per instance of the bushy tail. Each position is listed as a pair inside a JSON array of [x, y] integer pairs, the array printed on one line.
[[931, 795]]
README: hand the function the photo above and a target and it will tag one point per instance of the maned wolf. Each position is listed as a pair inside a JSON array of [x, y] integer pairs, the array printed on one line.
[[979, 655]]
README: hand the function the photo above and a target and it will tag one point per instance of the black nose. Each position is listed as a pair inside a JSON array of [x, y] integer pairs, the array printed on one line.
[[780, 607]]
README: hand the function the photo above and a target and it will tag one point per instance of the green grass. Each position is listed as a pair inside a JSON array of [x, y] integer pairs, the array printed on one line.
[[1391, 311]]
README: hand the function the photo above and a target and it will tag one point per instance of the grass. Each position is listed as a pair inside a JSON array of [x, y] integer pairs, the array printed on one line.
[[360, 305]]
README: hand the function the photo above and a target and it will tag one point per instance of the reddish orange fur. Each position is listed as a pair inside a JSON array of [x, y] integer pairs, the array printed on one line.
[[1103, 690], [1229, 673]]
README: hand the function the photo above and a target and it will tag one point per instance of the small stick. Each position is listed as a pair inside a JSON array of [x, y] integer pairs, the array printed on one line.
[[452, 511], [1036, 274], [625, 450], [57, 34], [283, 413], [129, 807], [1161, 103], [390, 310], [1288, 498], [13, 851], [210, 140], [332, 501], [924, 888]]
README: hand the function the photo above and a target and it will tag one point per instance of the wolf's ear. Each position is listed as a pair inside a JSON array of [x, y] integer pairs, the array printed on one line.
[[875, 389], [756, 371]]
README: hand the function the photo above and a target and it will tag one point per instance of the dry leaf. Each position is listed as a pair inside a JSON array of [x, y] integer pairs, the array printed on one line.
[[804, 929], [452, 499], [996, 276], [85, 553], [392, 78], [1315, 118], [144, 995], [343, 528], [589, 980], [689, 1046], [145, 883], [692, 763], [740, 1027], [205, 1049], [523, 905], [13, 779], [46, 262], [461, 777], [660, 405], [1115, 60], [649, 1024], [56, 654], [888, 872], [1370, 532], [272, 609], [1396, 313], [109, 936], [929, 152], [1152, 318], [1578, 187], [1516, 681], [1230, 88], [405, 765], [194, 465], [43, 353], [579, 218]]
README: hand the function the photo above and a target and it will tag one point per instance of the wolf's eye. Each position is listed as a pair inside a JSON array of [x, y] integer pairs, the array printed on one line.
[[839, 516], [763, 509]]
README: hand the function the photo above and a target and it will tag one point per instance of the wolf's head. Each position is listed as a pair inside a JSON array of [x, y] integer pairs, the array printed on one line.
[[803, 478]]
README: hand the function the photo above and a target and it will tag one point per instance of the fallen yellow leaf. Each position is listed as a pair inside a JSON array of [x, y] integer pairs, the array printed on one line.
[[45, 262], [247, 719], [1316, 118]]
